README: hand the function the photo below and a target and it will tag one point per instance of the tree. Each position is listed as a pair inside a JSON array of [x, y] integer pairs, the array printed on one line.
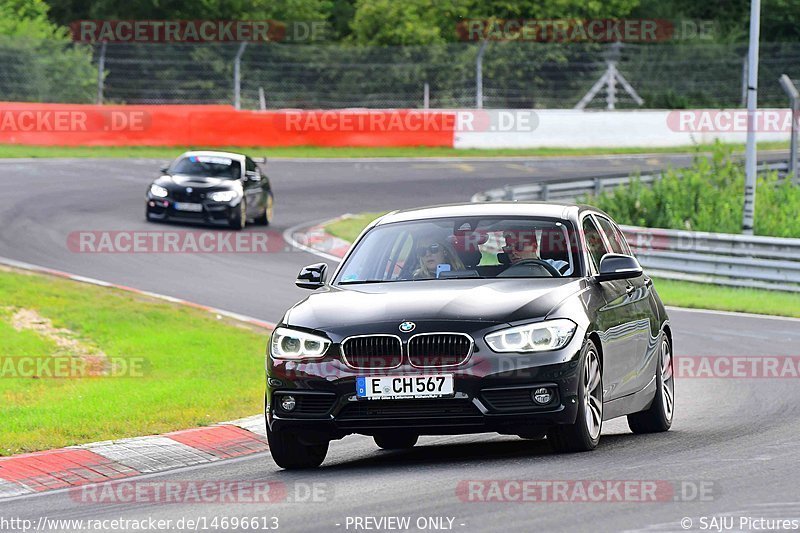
[[38, 62]]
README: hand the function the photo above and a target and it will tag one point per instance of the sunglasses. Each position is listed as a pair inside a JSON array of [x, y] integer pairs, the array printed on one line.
[[432, 249]]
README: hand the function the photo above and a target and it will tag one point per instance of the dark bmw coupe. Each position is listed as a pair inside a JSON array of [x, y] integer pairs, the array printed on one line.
[[213, 188], [525, 319]]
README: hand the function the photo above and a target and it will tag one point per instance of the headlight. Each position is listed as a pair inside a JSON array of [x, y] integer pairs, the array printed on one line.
[[539, 337], [223, 196], [158, 191], [292, 344]]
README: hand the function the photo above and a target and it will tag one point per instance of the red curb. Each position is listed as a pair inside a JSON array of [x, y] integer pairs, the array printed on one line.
[[55, 469], [222, 441]]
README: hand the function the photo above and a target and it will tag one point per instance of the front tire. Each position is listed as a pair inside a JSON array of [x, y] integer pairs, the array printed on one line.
[[289, 452], [396, 441], [584, 434], [659, 416]]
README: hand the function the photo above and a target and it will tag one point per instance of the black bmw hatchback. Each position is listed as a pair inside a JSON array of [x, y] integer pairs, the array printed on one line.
[[524, 319], [213, 188]]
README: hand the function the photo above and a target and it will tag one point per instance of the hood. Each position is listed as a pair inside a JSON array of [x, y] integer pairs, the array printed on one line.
[[181, 181], [481, 301]]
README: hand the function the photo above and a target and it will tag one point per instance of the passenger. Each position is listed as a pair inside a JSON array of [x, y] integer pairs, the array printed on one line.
[[521, 246], [431, 254]]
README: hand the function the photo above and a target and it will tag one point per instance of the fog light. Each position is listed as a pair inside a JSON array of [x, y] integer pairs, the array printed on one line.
[[288, 403], [542, 396], [274, 382]]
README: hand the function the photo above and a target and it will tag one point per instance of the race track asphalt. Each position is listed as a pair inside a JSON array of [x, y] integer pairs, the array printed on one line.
[[737, 436]]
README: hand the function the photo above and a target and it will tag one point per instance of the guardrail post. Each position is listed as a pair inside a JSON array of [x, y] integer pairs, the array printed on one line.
[[794, 104], [598, 186], [545, 194]]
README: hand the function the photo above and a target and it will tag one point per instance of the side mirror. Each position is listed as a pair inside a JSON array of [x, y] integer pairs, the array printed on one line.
[[618, 266], [164, 169], [312, 277], [252, 175]]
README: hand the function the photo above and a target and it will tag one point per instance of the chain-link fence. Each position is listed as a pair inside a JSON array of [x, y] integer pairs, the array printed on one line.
[[514, 75]]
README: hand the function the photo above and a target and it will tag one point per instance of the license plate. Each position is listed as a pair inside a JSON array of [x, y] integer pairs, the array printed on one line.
[[396, 387], [183, 206]]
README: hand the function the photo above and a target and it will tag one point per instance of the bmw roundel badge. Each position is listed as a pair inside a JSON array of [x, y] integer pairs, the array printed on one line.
[[407, 327]]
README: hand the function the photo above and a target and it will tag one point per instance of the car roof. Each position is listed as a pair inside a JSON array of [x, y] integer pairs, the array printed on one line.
[[213, 153], [564, 211]]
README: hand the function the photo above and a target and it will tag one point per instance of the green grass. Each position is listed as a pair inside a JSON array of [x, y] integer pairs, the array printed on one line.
[[743, 300], [197, 369], [350, 227], [677, 293], [159, 152]]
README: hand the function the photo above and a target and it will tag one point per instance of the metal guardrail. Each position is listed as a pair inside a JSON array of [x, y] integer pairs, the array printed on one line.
[[718, 258], [568, 190]]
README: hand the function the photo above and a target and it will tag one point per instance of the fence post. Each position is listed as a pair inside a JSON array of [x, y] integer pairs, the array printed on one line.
[[611, 86], [101, 72], [426, 96], [262, 99], [237, 78], [794, 104], [479, 75]]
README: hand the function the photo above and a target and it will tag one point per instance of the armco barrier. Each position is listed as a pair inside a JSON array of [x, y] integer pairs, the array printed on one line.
[[210, 126]]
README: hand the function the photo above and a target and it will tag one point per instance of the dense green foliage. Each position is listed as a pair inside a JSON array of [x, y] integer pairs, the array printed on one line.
[[39, 62], [708, 196], [388, 22]]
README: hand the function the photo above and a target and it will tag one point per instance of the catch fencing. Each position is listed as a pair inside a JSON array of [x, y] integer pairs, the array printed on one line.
[[275, 75]]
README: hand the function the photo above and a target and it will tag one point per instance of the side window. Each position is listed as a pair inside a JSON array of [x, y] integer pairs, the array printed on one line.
[[594, 242], [616, 240], [249, 165]]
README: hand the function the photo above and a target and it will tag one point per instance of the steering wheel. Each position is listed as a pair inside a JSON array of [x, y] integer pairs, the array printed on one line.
[[550, 269]]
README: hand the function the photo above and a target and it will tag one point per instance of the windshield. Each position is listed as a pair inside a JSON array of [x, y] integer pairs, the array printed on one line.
[[207, 166], [458, 248]]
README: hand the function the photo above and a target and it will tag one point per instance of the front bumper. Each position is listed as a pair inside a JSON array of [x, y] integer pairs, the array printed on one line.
[[212, 213], [492, 393]]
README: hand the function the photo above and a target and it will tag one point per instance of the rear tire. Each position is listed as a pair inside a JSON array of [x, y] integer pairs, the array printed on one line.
[[396, 441], [266, 217], [290, 453], [659, 416], [239, 220], [584, 434]]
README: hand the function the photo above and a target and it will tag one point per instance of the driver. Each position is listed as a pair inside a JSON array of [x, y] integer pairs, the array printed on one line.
[[522, 246]]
